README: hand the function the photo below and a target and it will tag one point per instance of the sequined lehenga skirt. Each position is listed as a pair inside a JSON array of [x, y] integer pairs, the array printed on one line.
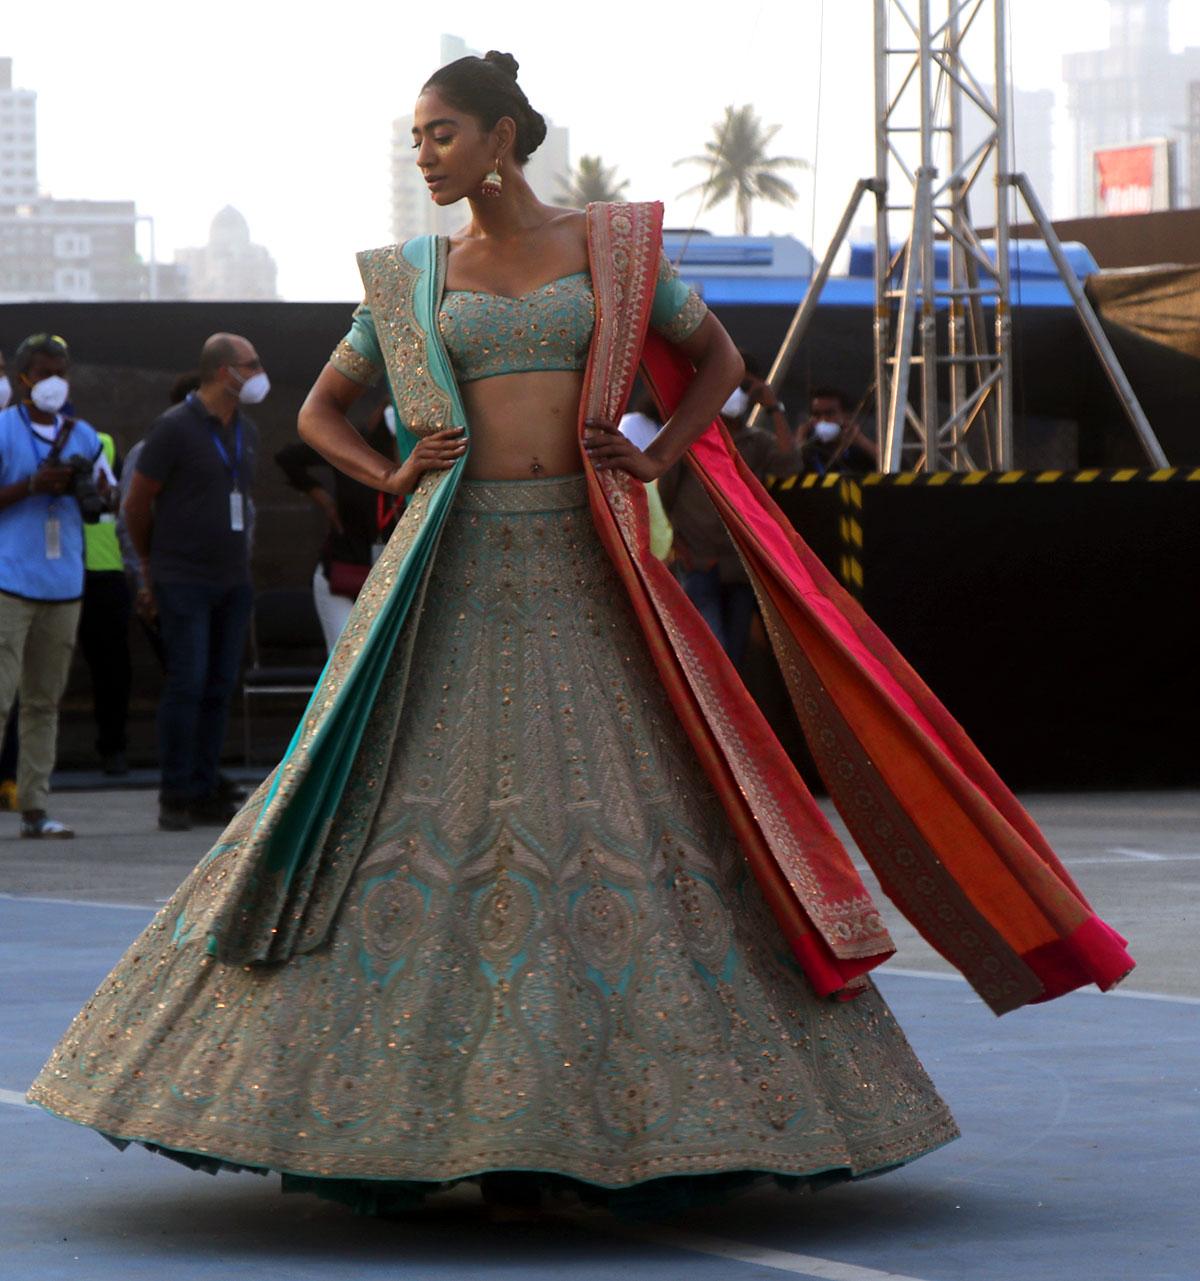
[[552, 957]]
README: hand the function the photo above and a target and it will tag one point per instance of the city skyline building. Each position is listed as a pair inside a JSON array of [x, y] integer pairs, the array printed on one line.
[[1135, 90], [75, 250], [18, 139], [230, 267], [413, 213], [1032, 150], [1193, 142]]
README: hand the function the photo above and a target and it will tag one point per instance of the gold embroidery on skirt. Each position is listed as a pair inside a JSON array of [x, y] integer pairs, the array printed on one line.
[[551, 954], [624, 245], [233, 871]]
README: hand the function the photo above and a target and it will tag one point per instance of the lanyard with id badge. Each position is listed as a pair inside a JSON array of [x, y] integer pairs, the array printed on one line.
[[237, 504], [53, 527]]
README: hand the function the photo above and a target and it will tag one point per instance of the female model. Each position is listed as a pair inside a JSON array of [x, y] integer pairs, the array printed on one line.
[[535, 895]]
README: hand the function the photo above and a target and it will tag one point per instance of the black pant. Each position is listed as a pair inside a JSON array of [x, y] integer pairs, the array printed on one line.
[[8, 753], [204, 633], [104, 639]]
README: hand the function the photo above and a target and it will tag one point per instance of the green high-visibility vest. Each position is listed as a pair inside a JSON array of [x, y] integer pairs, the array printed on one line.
[[101, 549]]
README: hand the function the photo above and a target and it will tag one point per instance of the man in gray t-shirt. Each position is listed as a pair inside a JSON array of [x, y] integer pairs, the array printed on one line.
[[188, 516]]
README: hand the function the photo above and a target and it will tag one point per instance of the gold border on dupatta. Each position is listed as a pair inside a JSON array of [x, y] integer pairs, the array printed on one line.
[[235, 897], [391, 284], [625, 245], [878, 823], [235, 871]]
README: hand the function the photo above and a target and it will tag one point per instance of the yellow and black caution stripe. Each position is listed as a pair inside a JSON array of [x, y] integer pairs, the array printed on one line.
[[850, 495], [850, 531], [1086, 477], [809, 481]]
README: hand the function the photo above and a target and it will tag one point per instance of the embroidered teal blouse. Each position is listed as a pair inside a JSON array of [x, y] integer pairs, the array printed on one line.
[[548, 328]]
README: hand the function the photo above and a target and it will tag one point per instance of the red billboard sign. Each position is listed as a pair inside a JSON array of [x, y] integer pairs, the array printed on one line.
[[1133, 179]]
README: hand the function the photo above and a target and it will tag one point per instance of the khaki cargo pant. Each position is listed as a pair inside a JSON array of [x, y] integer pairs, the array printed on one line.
[[37, 639]]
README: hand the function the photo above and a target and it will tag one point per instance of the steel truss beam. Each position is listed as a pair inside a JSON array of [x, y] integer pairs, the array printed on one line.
[[923, 86]]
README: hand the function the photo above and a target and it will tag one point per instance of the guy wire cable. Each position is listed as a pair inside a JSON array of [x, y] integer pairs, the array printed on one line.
[[816, 171], [712, 169], [1011, 196]]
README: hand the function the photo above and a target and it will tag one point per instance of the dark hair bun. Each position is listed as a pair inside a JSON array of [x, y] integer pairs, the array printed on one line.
[[533, 131], [503, 61], [487, 88]]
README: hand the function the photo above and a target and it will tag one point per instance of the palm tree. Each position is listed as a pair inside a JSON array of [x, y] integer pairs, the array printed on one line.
[[591, 180], [739, 166]]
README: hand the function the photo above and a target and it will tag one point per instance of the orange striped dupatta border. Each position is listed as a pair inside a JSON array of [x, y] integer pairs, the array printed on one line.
[[809, 881], [950, 843]]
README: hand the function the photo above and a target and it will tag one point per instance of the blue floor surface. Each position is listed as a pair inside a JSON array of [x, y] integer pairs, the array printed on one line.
[[1079, 1160]]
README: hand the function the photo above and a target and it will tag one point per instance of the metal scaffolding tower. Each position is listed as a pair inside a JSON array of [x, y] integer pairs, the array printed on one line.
[[958, 416], [922, 79]]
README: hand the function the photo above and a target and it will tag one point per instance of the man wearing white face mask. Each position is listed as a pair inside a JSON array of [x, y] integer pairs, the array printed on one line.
[[41, 560], [832, 440], [188, 513]]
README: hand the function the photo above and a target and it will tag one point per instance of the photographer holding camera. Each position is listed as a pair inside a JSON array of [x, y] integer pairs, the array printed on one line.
[[53, 477]]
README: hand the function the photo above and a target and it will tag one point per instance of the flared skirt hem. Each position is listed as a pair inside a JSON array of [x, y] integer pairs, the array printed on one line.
[[695, 1181], [545, 950], [659, 1195]]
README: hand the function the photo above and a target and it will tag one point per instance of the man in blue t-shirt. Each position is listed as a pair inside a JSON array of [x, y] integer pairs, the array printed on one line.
[[188, 515], [41, 559]]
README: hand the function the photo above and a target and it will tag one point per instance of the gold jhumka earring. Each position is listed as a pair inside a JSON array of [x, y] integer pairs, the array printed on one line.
[[493, 183]]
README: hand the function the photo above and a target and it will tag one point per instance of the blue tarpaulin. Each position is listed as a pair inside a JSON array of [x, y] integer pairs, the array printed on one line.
[[1034, 279]]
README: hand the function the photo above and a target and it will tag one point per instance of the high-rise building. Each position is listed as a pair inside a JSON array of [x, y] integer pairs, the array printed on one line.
[[18, 139], [77, 250], [1135, 89], [1031, 150], [550, 165], [1193, 143], [414, 214], [230, 268], [81, 250]]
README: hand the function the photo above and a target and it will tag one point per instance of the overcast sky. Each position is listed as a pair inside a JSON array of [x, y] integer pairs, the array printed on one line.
[[285, 111]]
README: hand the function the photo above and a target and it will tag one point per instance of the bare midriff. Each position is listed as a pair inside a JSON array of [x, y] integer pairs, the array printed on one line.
[[523, 426]]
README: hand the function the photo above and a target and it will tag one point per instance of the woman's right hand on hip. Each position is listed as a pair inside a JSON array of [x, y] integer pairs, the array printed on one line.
[[436, 452]]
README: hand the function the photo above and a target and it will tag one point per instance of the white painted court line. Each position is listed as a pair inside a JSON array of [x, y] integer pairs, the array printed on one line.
[[939, 975], [1117, 854], [799, 1265], [889, 969], [1106, 860], [1083, 991], [79, 902]]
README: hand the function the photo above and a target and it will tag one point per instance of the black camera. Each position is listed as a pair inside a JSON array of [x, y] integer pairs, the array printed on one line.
[[81, 487]]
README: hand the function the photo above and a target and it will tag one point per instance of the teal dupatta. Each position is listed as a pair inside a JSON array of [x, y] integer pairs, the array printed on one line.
[[294, 845]]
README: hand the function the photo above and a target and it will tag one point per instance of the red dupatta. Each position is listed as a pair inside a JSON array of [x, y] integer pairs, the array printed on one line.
[[950, 844]]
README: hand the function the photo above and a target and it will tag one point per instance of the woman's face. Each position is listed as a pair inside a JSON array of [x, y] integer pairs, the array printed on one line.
[[453, 152]]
